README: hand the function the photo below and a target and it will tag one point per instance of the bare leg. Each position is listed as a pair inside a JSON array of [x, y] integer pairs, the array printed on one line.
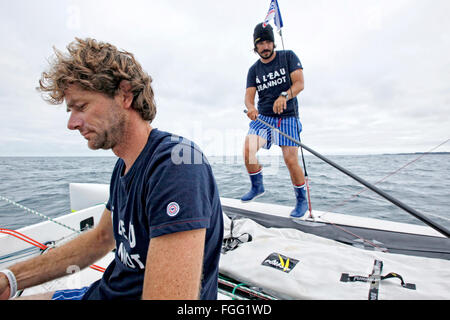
[[290, 155], [251, 146]]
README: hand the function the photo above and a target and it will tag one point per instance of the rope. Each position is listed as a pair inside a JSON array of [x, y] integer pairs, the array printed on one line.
[[38, 214], [31, 241], [243, 287], [355, 235], [391, 174], [35, 243], [298, 130], [381, 180], [234, 289]]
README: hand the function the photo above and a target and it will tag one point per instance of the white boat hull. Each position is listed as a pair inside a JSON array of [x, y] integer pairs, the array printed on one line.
[[284, 262]]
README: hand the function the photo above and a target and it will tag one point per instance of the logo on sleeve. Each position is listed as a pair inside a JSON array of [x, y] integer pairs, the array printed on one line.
[[172, 209]]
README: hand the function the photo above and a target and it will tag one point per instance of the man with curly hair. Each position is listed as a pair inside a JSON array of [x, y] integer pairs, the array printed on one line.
[[163, 217]]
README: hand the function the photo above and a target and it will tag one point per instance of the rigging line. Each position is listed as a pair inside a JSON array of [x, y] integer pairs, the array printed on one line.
[[391, 174], [32, 241], [23, 237], [298, 130], [354, 234], [244, 288], [385, 195], [17, 255], [35, 243], [38, 214], [333, 224]]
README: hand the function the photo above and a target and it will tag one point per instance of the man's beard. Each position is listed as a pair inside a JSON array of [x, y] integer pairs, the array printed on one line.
[[110, 136], [271, 54]]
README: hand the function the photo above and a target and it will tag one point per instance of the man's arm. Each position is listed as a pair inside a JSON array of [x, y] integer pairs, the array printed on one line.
[[174, 266], [250, 95], [297, 86], [82, 252]]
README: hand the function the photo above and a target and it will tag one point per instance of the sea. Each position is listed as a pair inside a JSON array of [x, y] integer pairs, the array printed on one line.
[[421, 181]]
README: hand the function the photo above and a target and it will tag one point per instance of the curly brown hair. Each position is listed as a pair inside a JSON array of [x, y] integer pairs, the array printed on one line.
[[99, 67]]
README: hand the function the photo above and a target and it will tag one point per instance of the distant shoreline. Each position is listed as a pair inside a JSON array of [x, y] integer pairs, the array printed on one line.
[[410, 153]]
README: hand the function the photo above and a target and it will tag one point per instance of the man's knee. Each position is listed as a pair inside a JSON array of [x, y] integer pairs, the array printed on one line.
[[291, 162], [291, 157], [252, 144]]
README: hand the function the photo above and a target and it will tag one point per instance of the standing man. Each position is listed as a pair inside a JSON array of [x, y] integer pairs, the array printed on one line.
[[163, 216], [278, 78]]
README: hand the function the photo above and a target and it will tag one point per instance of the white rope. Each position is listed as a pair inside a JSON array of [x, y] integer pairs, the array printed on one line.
[[391, 174], [37, 213]]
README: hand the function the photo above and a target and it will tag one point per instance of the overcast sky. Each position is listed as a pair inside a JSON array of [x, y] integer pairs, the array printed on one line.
[[377, 72]]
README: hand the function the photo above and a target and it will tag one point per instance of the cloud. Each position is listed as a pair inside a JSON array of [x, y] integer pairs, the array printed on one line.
[[376, 72]]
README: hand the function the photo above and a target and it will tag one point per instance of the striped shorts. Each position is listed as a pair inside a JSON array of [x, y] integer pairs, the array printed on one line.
[[70, 294], [290, 126]]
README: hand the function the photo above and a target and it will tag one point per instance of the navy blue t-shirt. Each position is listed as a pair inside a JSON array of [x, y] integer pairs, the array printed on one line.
[[270, 79], [170, 188]]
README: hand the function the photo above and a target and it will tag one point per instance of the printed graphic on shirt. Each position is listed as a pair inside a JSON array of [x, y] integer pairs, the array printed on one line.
[[130, 260], [271, 79]]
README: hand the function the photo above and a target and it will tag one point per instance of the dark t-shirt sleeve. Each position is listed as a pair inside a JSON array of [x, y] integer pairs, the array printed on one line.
[[111, 185], [294, 61], [177, 201]]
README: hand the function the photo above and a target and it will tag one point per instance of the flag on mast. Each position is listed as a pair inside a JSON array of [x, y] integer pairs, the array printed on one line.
[[274, 13]]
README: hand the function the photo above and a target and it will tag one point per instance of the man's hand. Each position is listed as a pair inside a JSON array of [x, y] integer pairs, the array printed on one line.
[[280, 105], [82, 251], [252, 113], [4, 287]]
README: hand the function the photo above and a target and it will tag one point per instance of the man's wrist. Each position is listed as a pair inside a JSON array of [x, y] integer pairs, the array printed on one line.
[[284, 94], [8, 281], [5, 289], [4, 282]]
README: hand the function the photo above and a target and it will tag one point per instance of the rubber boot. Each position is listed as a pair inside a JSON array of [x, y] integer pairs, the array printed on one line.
[[257, 189], [302, 203]]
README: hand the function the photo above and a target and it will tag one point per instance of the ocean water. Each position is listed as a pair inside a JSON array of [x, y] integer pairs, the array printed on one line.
[[42, 184]]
